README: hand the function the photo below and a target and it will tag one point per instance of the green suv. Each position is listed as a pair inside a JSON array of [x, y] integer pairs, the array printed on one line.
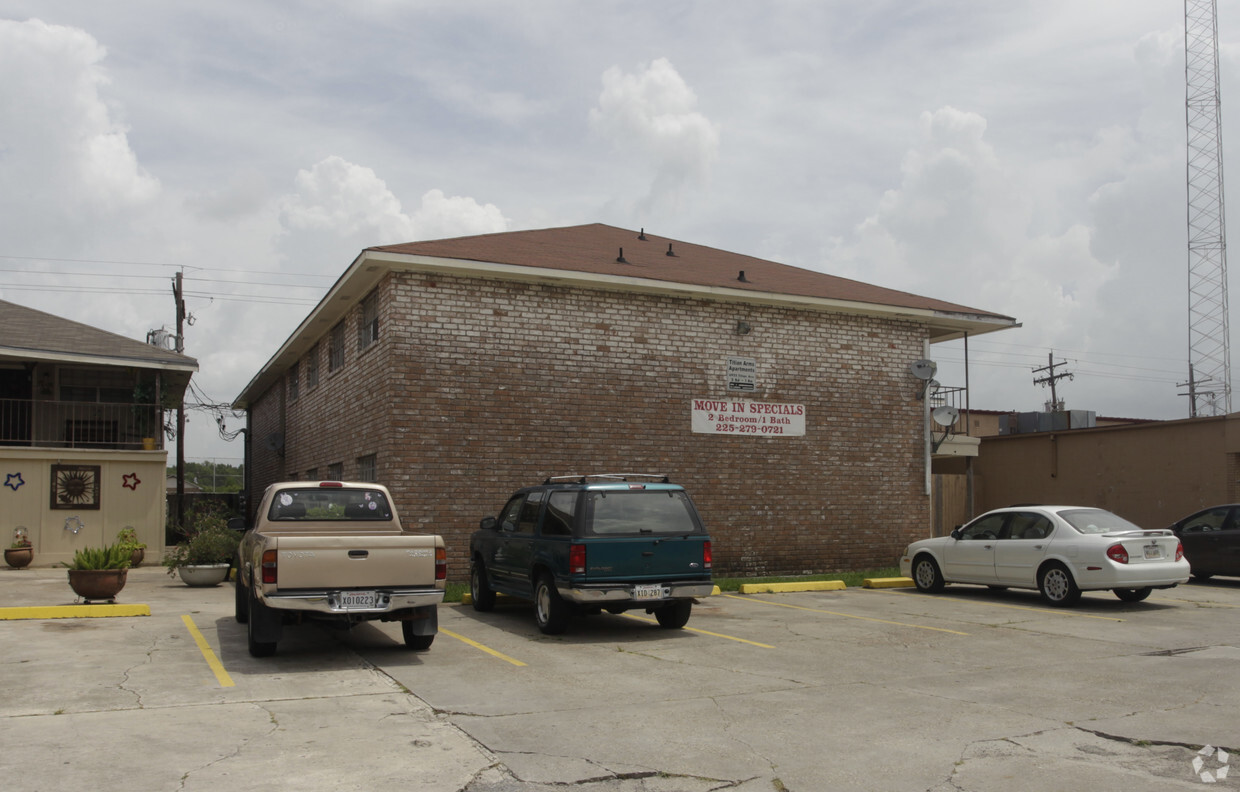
[[585, 544]]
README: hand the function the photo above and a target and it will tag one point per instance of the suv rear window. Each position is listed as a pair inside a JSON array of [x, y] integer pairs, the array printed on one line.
[[638, 512], [329, 504]]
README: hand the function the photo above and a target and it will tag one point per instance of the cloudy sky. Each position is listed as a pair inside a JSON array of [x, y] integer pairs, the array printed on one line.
[[1025, 158]]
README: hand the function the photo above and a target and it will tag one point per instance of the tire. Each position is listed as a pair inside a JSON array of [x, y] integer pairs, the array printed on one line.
[[674, 616], [241, 605], [1133, 595], [258, 648], [550, 612], [418, 642], [1057, 586], [480, 591], [1203, 575], [926, 575]]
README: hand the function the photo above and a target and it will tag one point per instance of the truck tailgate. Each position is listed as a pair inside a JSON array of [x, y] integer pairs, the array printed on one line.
[[646, 558], [339, 562]]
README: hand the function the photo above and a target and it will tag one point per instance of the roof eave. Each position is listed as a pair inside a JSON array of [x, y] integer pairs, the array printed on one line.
[[41, 355]]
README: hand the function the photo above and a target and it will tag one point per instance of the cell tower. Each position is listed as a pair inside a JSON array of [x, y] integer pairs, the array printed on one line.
[[1209, 357]]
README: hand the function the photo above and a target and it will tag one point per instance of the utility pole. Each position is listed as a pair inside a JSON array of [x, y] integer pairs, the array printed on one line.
[[177, 294], [1052, 377]]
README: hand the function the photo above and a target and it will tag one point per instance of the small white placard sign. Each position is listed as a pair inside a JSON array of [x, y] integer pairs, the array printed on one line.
[[742, 374]]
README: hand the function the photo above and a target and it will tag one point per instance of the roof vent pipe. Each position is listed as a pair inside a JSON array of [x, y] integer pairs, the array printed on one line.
[[742, 277], [620, 258], [642, 235], [669, 249]]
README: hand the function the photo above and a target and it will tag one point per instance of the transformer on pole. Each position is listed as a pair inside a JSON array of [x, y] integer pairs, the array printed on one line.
[[1209, 356]]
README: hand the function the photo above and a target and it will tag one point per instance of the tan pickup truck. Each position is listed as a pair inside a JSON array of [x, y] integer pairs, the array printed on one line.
[[336, 551]]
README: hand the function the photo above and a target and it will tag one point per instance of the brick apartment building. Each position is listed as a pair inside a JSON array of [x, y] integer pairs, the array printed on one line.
[[456, 370]]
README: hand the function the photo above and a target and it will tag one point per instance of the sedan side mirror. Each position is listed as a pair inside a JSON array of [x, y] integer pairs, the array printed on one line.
[[955, 534], [487, 523]]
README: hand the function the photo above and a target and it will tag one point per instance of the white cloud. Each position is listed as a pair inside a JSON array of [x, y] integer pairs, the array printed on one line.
[[651, 117]]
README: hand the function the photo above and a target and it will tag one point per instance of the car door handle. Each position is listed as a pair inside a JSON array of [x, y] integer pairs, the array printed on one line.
[[647, 553], [358, 553]]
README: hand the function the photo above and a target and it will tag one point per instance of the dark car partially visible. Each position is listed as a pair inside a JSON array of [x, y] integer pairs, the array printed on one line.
[[1211, 539]]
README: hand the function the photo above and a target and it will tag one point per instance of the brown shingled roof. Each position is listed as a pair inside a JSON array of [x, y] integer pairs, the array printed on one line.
[[595, 248]]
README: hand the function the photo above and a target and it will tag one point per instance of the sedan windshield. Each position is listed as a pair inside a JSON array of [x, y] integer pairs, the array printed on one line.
[[1096, 521]]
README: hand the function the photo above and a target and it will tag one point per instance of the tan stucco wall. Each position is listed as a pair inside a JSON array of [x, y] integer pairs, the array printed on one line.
[[1152, 473], [29, 505]]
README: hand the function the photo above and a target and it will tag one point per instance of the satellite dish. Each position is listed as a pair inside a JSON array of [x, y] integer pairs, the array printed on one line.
[[275, 441], [945, 416], [923, 369]]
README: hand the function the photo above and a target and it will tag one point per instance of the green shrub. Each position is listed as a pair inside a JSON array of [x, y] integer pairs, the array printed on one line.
[[207, 539], [110, 557]]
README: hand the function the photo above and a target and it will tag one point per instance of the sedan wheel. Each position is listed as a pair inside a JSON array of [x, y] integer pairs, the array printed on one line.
[[1057, 586], [926, 575], [1133, 595]]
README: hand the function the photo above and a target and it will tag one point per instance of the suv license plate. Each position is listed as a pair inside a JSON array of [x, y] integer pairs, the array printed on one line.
[[1153, 551], [647, 592], [357, 600]]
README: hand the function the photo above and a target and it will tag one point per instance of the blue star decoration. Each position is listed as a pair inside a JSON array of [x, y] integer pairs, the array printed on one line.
[[132, 481], [13, 481]]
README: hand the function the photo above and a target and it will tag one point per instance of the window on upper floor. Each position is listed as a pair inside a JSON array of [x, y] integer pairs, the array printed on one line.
[[294, 382], [366, 468], [312, 367], [368, 325], [335, 360]]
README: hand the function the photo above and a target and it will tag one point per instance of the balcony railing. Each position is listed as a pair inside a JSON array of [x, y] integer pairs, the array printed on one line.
[[65, 424], [952, 397]]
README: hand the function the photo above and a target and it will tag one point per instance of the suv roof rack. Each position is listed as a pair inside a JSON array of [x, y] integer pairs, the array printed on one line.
[[585, 479]]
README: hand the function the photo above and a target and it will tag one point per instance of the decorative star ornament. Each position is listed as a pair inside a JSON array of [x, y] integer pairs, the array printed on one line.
[[132, 481], [13, 481]]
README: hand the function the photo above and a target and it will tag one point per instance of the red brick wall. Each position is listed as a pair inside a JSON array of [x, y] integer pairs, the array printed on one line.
[[477, 387]]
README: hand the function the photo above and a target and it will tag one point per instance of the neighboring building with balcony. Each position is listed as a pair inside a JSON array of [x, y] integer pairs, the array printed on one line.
[[82, 417], [457, 370]]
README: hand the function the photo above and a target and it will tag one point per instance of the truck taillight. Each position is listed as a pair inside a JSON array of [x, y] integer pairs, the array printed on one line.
[[577, 559], [441, 564], [1117, 553], [269, 566], [706, 555]]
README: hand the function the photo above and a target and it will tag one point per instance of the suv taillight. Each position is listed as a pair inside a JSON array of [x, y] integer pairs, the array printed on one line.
[[269, 566], [577, 559], [441, 563], [1117, 553], [706, 554]]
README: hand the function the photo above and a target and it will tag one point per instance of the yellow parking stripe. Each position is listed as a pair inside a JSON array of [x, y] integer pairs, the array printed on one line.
[[212, 661], [845, 615], [704, 632], [480, 647], [1056, 611]]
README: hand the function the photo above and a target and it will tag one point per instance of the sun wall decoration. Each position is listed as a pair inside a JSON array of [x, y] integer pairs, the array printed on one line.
[[75, 487]]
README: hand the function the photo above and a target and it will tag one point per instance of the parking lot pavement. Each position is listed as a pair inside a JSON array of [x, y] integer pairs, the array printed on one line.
[[888, 689]]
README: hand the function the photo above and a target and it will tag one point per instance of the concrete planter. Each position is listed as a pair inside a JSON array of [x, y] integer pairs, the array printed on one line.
[[203, 574]]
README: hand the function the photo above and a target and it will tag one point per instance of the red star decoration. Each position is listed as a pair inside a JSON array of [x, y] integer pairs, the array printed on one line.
[[132, 481]]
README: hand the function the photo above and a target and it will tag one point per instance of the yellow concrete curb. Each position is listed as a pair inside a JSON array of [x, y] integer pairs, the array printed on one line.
[[74, 611], [896, 582], [779, 588]]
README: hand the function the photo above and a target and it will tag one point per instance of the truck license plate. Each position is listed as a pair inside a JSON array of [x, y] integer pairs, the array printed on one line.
[[647, 592], [357, 600]]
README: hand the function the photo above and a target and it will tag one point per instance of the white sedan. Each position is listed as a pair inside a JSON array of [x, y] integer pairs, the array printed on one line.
[[1058, 550]]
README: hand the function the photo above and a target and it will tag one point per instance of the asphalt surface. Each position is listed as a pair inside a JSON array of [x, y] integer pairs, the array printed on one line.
[[781, 692]]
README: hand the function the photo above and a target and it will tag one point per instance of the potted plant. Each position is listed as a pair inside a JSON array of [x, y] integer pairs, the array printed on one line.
[[128, 537], [21, 552], [99, 573], [205, 555]]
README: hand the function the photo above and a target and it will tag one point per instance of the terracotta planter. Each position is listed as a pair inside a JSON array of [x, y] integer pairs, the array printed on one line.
[[204, 574], [18, 557], [97, 584], [139, 553]]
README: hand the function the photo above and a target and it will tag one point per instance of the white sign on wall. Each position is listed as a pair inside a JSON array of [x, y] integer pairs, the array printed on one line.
[[742, 374], [762, 419]]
